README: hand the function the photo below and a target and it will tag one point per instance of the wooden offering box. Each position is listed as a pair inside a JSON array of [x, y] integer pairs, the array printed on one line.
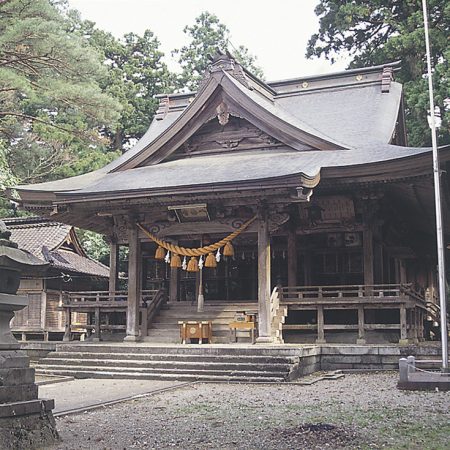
[[195, 330]]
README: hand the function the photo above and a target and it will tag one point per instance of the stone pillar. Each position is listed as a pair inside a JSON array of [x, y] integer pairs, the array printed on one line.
[[292, 258], [134, 283], [264, 292], [113, 266]]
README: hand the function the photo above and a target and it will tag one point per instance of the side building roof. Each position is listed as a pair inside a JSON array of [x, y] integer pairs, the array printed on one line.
[[55, 243]]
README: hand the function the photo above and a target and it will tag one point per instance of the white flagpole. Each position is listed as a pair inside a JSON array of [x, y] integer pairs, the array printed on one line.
[[437, 198]]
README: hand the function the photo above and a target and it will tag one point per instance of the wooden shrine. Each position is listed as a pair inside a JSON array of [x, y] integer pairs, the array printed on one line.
[[331, 213]]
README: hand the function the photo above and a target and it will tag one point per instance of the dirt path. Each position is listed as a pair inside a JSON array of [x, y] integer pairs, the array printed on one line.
[[357, 411]]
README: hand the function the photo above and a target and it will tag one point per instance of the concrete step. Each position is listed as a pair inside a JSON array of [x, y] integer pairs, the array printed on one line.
[[158, 376]]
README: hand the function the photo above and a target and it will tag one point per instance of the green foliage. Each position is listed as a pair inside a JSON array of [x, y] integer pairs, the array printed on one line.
[[94, 245], [207, 35], [51, 100], [136, 73], [380, 31]]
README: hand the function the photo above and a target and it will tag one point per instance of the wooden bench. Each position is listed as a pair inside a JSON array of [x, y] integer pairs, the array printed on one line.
[[242, 326]]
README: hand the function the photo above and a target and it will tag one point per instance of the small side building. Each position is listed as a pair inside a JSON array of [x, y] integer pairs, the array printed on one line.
[[70, 269]]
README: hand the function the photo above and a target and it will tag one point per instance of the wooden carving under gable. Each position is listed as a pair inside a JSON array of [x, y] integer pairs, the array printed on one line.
[[324, 212], [235, 135], [121, 229]]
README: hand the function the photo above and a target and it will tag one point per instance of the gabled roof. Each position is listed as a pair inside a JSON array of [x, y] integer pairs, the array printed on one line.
[[54, 243], [321, 123]]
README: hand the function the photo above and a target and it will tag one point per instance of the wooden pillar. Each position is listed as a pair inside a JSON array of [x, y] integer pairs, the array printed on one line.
[[67, 325], [97, 333], [368, 256], [113, 266], [361, 332], [307, 269], [264, 292], [292, 258], [320, 325], [403, 326], [173, 285], [134, 284]]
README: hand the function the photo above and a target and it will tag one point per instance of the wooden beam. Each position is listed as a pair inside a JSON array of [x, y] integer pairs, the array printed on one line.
[[134, 286], [264, 319]]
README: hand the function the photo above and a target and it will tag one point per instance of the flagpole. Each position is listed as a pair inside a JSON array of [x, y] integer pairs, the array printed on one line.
[[437, 199]]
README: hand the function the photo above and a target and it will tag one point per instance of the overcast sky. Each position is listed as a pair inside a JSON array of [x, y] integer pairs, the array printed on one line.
[[276, 32]]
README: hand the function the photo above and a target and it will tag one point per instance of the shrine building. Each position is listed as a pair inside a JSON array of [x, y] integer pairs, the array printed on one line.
[[298, 201]]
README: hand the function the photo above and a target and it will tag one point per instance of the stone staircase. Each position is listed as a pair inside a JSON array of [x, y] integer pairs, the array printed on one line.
[[165, 329], [177, 363]]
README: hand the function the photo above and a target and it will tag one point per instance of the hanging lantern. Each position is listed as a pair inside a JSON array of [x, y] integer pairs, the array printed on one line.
[[175, 261], [228, 250], [160, 253], [210, 260], [192, 265]]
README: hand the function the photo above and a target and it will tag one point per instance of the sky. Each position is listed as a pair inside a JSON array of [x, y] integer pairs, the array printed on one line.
[[276, 32]]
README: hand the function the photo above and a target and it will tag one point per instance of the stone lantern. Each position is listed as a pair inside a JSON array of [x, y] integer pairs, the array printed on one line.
[[25, 421]]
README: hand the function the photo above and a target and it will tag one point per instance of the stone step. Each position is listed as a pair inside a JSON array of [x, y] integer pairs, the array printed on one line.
[[201, 358], [136, 348], [167, 365], [158, 376], [168, 370]]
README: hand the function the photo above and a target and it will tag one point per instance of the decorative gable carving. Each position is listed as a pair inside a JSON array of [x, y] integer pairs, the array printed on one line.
[[235, 135]]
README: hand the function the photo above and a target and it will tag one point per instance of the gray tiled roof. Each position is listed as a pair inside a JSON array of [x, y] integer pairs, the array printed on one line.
[[356, 116], [43, 239], [245, 166]]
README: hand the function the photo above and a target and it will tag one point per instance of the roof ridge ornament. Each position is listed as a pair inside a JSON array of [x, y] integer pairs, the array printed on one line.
[[386, 78], [225, 62]]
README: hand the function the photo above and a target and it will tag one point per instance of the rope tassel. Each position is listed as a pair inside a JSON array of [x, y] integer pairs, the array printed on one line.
[[160, 253], [175, 261], [228, 250], [192, 265], [210, 261]]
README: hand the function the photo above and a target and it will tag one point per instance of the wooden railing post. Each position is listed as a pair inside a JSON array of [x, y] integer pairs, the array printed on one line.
[[361, 331], [403, 325], [320, 326]]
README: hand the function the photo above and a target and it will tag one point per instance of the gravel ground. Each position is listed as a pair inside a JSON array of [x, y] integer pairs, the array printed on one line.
[[355, 412]]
